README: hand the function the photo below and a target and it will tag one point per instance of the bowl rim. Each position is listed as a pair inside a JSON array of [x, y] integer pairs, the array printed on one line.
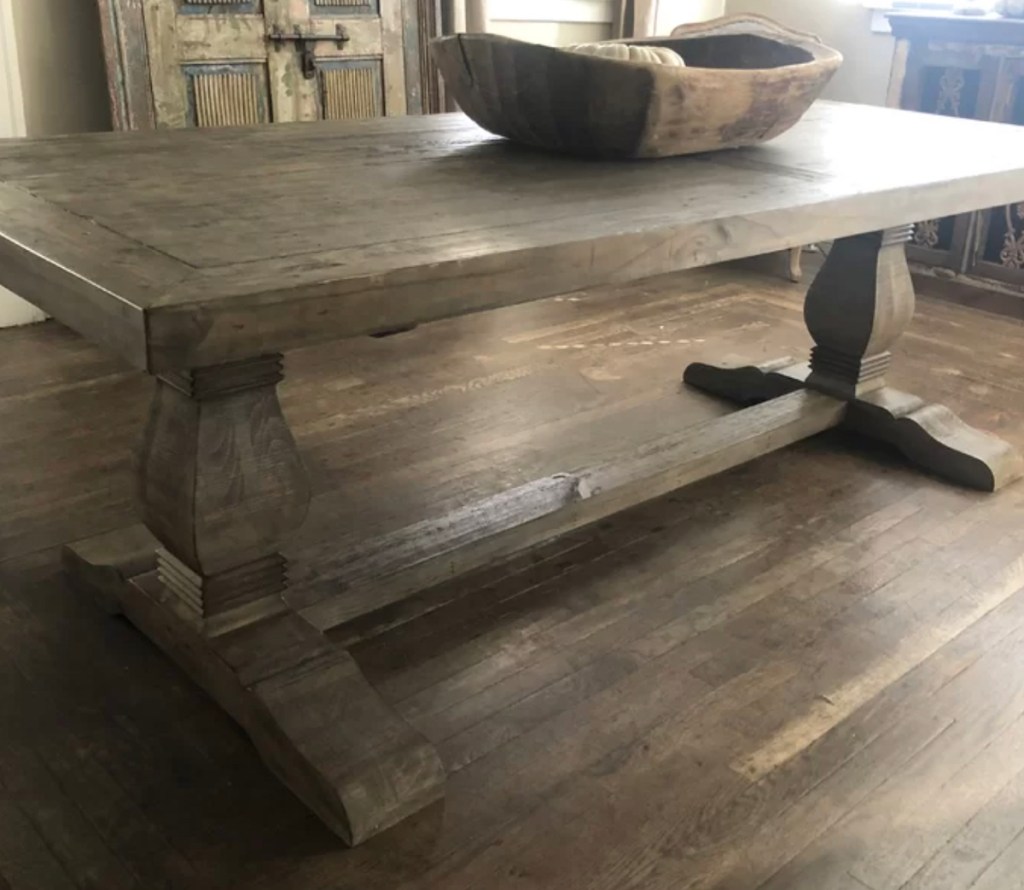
[[760, 26], [743, 23]]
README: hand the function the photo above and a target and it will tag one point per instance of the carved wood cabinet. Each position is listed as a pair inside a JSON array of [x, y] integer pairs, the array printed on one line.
[[970, 67], [175, 63]]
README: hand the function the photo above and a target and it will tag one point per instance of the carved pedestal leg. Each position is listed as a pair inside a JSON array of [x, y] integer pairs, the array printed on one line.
[[858, 305], [221, 484]]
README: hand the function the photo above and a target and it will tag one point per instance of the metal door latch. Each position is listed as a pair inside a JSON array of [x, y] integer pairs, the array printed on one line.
[[306, 44]]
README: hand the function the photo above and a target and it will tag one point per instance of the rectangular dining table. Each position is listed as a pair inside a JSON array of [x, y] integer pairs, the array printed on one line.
[[202, 256]]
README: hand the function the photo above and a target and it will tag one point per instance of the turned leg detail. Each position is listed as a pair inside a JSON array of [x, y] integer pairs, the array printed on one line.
[[796, 272], [221, 485], [857, 307]]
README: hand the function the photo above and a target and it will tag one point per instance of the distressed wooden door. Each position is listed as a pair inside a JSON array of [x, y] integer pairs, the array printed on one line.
[[237, 62]]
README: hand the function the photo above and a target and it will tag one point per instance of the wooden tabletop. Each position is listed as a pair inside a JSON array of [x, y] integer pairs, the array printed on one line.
[[193, 247]]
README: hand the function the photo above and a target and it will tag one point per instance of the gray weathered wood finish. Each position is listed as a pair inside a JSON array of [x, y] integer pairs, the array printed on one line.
[[432, 219], [166, 249]]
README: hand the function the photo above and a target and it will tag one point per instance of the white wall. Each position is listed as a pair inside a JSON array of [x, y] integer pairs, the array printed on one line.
[[12, 123], [60, 54], [845, 25], [559, 22], [682, 12], [553, 22], [52, 81]]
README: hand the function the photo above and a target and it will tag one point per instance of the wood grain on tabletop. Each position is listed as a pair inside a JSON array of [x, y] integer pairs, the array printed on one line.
[[440, 207]]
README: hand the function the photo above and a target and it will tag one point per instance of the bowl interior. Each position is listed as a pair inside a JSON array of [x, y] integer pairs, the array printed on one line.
[[734, 51]]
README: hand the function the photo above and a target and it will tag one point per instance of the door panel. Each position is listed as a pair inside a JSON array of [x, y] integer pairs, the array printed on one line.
[[161, 22], [193, 7], [954, 83], [226, 95], [393, 61], [343, 7], [216, 38], [208, 63], [336, 79], [998, 248], [351, 89], [365, 74]]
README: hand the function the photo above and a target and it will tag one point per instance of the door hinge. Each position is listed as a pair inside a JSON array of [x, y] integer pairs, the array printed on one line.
[[305, 44]]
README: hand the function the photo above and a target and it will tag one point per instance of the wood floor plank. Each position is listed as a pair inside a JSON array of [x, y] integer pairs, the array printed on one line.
[[1007, 872], [855, 779], [882, 847], [26, 862], [930, 810], [708, 596], [124, 826], [962, 859], [792, 808], [917, 639], [65, 831], [715, 545]]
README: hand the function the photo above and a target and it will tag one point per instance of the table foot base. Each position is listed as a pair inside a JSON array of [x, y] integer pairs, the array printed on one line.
[[748, 384], [935, 439], [315, 720], [929, 436], [103, 565]]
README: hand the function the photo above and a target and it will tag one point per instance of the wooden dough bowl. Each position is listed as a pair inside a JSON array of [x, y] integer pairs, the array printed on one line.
[[747, 80]]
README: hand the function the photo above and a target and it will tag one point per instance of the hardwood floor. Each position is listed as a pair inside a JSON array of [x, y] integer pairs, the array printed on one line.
[[805, 673]]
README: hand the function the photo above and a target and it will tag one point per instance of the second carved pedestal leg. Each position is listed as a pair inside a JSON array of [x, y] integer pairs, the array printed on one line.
[[858, 305], [221, 485]]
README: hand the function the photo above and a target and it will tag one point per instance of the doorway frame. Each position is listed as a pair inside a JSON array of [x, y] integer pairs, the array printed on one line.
[[12, 108], [13, 310]]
